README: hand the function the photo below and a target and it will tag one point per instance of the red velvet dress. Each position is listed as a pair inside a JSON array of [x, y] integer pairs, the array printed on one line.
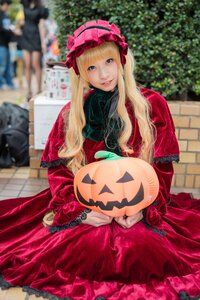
[[158, 258]]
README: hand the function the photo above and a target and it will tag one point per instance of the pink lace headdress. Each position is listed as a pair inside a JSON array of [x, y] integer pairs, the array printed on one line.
[[93, 34]]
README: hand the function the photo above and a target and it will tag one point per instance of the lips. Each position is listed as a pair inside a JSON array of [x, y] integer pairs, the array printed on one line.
[[107, 83]]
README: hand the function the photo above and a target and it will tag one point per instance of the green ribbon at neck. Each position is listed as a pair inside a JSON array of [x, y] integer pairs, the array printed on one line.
[[102, 120]]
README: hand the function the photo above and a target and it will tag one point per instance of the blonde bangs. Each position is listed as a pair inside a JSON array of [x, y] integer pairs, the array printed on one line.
[[90, 56]]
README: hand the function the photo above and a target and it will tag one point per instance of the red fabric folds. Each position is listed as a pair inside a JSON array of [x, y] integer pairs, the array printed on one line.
[[158, 258], [63, 201], [86, 262], [166, 144]]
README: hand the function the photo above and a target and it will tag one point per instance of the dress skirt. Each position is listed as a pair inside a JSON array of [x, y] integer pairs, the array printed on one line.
[[106, 262]]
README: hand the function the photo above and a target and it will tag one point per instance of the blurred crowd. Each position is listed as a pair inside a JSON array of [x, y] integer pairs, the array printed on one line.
[[26, 43]]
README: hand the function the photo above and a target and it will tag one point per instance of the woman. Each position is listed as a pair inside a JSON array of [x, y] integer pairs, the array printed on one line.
[[154, 254], [33, 41]]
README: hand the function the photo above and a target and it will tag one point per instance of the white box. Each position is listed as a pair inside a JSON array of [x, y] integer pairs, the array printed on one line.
[[57, 83], [45, 114]]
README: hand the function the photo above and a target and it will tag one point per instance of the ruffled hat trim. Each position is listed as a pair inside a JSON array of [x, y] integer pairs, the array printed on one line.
[[93, 34]]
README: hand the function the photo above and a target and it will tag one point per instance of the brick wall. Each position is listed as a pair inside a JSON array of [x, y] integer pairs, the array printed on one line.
[[186, 116]]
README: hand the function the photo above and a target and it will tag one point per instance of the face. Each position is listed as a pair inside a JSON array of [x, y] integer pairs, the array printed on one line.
[[103, 74], [5, 7]]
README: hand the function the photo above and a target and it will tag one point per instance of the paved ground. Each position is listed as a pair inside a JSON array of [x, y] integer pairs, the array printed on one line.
[[17, 294], [17, 96], [15, 182]]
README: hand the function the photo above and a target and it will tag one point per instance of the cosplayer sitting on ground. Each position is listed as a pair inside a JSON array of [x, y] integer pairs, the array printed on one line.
[[83, 254]]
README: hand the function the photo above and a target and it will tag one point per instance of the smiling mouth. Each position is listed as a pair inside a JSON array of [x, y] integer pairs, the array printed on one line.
[[107, 83], [111, 204]]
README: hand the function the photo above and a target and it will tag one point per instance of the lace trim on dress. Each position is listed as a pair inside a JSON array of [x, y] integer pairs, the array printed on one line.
[[72, 224], [44, 294], [58, 162], [155, 230], [52, 164], [4, 284], [49, 296], [184, 296], [166, 159]]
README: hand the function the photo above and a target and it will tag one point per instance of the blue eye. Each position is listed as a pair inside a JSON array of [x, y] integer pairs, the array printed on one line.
[[109, 61], [91, 68]]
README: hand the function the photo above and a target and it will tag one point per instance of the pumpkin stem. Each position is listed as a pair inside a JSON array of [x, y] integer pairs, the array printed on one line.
[[107, 155]]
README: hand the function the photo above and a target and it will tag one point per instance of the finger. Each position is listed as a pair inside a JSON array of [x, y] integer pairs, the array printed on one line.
[[102, 216], [130, 221], [123, 226], [121, 222], [119, 219]]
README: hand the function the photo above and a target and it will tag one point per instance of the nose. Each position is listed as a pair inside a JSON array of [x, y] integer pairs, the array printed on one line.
[[105, 189], [103, 74]]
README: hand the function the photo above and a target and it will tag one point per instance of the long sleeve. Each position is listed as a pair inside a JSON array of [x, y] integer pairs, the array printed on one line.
[[166, 151], [155, 212], [63, 203]]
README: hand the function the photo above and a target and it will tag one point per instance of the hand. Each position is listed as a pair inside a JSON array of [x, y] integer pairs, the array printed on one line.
[[127, 222], [97, 219], [17, 31], [44, 48]]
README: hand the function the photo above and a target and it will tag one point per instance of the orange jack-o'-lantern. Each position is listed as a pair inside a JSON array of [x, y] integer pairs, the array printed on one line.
[[116, 186]]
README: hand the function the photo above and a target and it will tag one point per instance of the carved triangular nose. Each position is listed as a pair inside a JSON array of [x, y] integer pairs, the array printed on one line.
[[105, 189]]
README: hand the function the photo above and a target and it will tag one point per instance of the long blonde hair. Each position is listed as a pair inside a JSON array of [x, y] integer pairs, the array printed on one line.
[[75, 120]]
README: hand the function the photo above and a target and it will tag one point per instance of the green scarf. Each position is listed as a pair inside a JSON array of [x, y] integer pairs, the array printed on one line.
[[102, 120]]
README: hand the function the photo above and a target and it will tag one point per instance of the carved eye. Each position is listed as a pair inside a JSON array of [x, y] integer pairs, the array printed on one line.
[[88, 180], [125, 178]]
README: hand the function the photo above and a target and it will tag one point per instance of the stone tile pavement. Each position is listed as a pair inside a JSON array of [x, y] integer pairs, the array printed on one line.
[[15, 182], [18, 95], [17, 294]]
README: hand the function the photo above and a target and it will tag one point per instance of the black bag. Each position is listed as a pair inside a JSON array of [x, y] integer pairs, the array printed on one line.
[[14, 147]]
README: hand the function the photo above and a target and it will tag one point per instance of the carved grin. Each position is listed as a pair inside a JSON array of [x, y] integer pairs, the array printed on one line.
[[111, 204]]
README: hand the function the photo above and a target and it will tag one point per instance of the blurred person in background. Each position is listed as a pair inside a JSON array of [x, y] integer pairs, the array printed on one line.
[[19, 61], [33, 41], [7, 32]]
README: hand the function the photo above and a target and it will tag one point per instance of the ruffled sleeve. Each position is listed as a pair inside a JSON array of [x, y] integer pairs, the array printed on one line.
[[166, 150], [166, 147], [63, 203]]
